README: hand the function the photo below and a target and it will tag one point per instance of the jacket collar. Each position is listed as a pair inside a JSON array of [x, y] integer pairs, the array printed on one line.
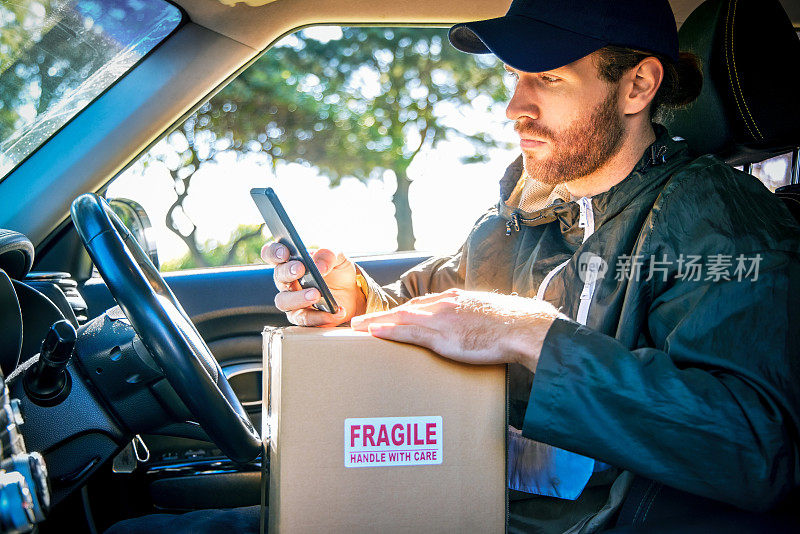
[[660, 157]]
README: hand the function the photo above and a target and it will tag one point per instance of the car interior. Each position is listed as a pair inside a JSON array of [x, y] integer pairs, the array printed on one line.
[[141, 390]]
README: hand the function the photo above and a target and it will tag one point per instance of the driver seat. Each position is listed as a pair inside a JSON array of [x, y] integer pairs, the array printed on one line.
[[748, 111]]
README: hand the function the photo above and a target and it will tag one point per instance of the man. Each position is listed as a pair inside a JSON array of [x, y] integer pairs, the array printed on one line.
[[644, 300]]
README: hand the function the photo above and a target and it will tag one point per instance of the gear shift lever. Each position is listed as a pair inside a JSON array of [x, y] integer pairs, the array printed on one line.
[[47, 382]]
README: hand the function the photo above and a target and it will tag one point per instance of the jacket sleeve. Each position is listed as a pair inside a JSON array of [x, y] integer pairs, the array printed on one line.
[[709, 407], [431, 276], [434, 275]]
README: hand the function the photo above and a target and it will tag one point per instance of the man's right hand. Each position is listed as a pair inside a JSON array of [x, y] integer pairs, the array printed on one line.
[[339, 273]]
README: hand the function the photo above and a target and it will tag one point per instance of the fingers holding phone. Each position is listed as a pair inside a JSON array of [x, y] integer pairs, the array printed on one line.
[[325, 281], [339, 274]]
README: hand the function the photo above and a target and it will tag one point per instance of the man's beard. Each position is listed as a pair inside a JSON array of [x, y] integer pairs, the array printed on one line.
[[581, 149]]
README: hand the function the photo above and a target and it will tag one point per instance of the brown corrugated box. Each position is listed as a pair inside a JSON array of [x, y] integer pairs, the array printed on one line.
[[335, 397]]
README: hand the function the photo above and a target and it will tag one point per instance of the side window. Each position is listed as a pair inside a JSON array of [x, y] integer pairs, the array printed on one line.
[[774, 172], [376, 140]]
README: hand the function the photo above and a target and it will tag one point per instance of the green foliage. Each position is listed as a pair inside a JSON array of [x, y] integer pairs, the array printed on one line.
[[57, 55], [358, 106], [243, 248], [319, 103], [39, 62]]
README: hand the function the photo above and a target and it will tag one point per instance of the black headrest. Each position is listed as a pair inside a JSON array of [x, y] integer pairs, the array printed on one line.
[[16, 254], [749, 108]]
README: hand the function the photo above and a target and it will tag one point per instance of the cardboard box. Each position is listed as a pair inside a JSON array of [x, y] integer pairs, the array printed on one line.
[[367, 435]]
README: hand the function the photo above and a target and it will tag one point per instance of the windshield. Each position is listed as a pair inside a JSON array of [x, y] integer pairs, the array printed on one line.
[[56, 56]]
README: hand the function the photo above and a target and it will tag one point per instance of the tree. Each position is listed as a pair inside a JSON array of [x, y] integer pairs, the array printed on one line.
[[359, 106], [244, 247]]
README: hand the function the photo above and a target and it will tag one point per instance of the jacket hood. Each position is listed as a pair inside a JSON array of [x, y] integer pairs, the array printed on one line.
[[661, 156]]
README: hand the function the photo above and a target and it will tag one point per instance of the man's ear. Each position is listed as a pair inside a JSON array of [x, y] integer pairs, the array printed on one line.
[[641, 84]]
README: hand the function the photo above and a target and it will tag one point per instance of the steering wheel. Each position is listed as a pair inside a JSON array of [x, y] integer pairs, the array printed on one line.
[[164, 328]]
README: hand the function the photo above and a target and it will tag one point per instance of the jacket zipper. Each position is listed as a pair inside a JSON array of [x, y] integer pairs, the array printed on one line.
[[514, 222], [593, 267], [589, 285], [585, 221]]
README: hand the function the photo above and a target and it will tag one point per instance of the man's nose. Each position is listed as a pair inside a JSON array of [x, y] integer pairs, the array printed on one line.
[[522, 104]]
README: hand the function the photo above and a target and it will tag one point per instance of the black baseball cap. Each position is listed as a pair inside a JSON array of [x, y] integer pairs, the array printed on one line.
[[540, 35]]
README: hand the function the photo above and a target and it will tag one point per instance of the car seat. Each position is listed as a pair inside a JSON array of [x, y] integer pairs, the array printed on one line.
[[748, 109]]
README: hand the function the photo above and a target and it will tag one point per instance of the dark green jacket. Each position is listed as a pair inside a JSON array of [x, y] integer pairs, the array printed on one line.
[[692, 383]]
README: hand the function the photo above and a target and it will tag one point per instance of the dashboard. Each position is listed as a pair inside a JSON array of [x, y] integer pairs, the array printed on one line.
[[30, 302], [26, 317]]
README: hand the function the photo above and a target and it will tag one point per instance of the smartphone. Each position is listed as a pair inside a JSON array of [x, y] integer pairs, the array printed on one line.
[[284, 232]]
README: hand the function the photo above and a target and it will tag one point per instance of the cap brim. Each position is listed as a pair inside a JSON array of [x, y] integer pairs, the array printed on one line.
[[523, 43]]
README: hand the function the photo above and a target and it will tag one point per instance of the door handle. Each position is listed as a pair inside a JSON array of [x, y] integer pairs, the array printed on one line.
[[237, 369]]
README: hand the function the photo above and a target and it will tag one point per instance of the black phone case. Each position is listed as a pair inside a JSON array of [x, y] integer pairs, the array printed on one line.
[[284, 232]]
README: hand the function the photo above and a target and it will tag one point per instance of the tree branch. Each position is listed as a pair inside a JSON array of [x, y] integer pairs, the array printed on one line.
[[189, 240], [423, 136], [239, 240]]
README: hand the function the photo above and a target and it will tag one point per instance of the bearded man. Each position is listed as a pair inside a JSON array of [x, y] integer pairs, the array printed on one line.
[[637, 394]]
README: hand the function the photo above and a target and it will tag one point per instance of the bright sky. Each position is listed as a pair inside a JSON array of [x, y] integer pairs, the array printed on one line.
[[356, 218]]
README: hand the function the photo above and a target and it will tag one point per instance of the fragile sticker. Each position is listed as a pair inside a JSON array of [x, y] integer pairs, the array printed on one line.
[[392, 441]]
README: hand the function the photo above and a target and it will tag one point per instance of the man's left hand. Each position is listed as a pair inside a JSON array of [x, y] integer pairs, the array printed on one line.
[[468, 326]]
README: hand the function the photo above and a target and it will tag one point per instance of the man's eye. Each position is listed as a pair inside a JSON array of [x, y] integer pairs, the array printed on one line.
[[549, 79], [510, 80]]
